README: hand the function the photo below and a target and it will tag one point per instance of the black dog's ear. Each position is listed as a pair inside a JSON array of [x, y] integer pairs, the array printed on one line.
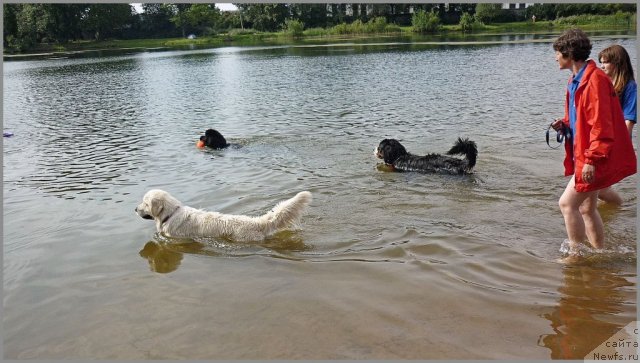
[[391, 150], [214, 139]]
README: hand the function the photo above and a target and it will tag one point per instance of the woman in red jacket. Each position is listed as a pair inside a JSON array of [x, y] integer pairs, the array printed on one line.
[[599, 151]]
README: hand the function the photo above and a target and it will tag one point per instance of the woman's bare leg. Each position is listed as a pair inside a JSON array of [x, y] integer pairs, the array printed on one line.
[[592, 221], [581, 217]]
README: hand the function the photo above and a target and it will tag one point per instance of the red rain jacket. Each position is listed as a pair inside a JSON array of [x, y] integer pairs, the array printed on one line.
[[601, 138]]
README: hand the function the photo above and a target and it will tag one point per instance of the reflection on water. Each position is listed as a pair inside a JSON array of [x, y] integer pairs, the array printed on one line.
[[593, 306], [385, 265], [161, 258], [165, 254]]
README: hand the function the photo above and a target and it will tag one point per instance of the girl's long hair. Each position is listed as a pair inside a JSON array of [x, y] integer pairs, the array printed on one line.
[[622, 71]]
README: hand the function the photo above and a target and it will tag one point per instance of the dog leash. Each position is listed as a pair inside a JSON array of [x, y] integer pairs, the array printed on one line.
[[563, 133]]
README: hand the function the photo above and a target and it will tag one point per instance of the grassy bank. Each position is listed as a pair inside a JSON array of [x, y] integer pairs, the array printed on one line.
[[239, 37]]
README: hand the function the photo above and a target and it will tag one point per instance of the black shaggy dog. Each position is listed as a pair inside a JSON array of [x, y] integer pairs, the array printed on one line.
[[394, 154], [213, 139]]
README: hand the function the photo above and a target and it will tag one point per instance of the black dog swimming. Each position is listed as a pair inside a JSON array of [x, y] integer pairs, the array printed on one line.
[[394, 154], [213, 139]]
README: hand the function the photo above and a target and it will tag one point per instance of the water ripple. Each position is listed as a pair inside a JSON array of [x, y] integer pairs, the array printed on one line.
[[422, 259]]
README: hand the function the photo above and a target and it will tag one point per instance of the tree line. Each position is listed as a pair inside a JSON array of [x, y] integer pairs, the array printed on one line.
[[27, 25]]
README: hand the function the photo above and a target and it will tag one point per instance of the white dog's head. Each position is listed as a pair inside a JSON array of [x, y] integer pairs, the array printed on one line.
[[157, 204]]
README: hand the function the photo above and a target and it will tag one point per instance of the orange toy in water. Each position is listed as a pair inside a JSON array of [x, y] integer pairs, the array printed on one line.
[[200, 144]]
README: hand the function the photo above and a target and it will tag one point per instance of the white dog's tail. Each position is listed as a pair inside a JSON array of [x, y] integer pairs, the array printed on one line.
[[288, 212]]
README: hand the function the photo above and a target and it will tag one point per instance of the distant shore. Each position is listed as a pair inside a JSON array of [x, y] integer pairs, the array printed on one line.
[[251, 38]]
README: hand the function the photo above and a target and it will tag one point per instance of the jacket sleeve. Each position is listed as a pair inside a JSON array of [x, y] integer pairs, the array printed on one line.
[[599, 116]]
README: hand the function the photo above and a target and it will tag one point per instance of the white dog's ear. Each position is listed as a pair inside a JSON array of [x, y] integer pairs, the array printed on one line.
[[156, 205]]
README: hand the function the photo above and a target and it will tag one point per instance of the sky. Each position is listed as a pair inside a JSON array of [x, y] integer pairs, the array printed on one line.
[[226, 6], [221, 6]]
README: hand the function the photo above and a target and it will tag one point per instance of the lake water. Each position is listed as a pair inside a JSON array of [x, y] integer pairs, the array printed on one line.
[[384, 266]]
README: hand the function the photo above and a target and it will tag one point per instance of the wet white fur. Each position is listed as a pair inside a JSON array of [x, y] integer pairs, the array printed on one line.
[[184, 221]]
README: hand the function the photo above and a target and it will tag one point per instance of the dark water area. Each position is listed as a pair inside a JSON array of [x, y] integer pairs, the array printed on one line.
[[385, 265]]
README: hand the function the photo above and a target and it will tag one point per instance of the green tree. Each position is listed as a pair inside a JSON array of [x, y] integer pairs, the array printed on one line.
[[230, 20], [487, 13], [107, 20], [358, 11], [265, 17], [423, 22], [35, 23], [156, 20], [180, 17], [564, 10], [377, 25], [466, 22], [627, 8], [26, 25], [452, 13], [9, 23], [203, 18], [293, 27], [426, 7], [378, 10], [541, 11], [312, 15], [68, 21], [338, 13]]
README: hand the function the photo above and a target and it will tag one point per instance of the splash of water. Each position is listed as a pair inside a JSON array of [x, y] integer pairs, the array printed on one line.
[[584, 250]]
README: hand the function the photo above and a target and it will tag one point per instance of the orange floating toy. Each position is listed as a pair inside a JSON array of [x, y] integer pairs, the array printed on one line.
[[200, 144]]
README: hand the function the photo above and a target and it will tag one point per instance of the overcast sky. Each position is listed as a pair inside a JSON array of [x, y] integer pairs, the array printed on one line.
[[221, 6], [226, 6]]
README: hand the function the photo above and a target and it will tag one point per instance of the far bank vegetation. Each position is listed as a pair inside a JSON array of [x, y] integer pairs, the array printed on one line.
[[33, 27]]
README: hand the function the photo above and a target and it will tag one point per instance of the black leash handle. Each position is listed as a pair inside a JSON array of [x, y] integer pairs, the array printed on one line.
[[563, 133]]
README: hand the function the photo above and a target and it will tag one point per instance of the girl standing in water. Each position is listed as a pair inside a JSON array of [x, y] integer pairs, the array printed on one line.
[[616, 63]]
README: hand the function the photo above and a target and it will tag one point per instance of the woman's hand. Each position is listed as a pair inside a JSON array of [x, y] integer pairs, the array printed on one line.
[[557, 124], [588, 173]]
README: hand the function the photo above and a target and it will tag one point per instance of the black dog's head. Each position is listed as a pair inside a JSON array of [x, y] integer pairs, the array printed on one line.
[[389, 150], [213, 139]]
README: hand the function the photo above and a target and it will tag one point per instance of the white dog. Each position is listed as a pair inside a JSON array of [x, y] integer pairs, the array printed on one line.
[[176, 220]]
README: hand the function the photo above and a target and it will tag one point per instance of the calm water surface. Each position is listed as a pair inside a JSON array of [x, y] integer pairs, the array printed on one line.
[[385, 266]]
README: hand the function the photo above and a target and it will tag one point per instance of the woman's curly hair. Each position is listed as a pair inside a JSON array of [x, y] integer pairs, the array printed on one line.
[[573, 44]]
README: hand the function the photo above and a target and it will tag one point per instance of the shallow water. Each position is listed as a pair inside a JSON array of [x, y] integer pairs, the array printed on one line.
[[384, 266]]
